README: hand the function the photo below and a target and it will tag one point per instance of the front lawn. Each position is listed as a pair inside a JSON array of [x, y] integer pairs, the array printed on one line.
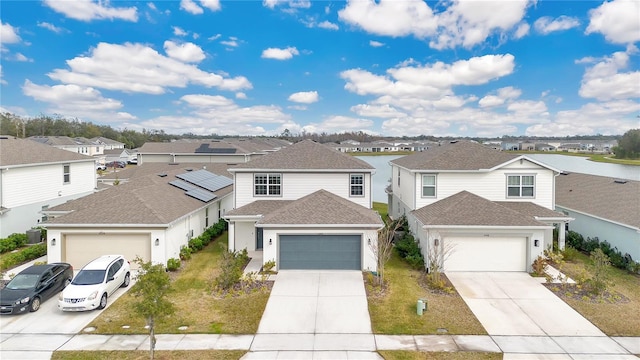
[[381, 208], [614, 319], [196, 306], [395, 312], [460, 355], [143, 355]]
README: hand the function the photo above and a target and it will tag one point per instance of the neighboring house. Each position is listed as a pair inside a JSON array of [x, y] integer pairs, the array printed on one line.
[[151, 216], [603, 207], [34, 177], [118, 155], [78, 145], [108, 144], [475, 208], [306, 206], [228, 151]]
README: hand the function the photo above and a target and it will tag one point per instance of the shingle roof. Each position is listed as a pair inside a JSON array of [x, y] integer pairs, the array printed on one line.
[[145, 169], [531, 209], [467, 209], [147, 199], [258, 207], [600, 196], [459, 155], [322, 207], [15, 151], [189, 146], [305, 155]]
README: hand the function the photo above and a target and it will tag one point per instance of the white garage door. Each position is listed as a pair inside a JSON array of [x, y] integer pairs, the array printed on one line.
[[486, 254], [79, 249]]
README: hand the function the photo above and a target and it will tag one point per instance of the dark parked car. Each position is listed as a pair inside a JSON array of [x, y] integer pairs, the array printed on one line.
[[33, 285], [117, 164]]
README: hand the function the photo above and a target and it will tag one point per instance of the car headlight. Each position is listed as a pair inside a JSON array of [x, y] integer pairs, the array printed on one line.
[[23, 301], [92, 296], [60, 296]]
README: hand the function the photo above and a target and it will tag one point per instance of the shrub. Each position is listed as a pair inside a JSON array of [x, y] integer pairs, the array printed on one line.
[[196, 244], [570, 253], [600, 280], [575, 240], [539, 265], [23, 255], [268, 266], [173, 264], [185, 253], [231, 270], [13, 241], [591, 244]]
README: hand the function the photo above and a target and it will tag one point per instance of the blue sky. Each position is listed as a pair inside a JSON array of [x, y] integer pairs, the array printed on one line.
[[388, 67]]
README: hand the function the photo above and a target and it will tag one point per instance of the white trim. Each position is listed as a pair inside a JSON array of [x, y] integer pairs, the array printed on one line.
[[355, 227], [276, 170], [488, 227]]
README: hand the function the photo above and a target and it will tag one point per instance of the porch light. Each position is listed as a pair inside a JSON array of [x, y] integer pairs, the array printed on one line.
[[157, 242], [369, 241], [270, 241], [436, 242], [53, 242], [536, 243]]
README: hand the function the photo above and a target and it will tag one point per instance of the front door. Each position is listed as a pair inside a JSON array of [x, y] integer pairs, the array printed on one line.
[[258, 238]]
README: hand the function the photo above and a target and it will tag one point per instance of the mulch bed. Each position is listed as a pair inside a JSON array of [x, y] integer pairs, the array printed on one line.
[[580, 293]]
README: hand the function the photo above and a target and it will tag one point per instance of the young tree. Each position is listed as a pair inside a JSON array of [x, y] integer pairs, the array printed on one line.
[[600, 266], [151, 289], [437, 256], [383, 248]]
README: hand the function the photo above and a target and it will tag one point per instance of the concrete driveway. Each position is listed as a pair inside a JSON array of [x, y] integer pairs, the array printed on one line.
[[317, 302], [513, 303]]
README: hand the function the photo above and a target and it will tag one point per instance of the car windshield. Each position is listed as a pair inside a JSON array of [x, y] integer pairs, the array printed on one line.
[[23, 281], [89, 277]]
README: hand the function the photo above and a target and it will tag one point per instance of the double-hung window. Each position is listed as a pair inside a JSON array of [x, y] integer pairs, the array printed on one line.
[[267, 184], [429, 185], [356, 185], [66, 173], [520, 186]]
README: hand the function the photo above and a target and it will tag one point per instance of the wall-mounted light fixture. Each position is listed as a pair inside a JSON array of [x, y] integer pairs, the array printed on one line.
[[369, 241], [270, 241], [53, 242], [536, 242], [436, 242], [157, 242]]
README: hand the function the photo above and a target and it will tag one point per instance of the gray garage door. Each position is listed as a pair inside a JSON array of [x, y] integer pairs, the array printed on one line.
[[320, 252]]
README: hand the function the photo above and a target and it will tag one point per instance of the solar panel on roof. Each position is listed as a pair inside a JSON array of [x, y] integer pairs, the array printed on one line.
[[205, 149], [215, 184], [183, 185], [206, 180], [201, 195], [195, 176]]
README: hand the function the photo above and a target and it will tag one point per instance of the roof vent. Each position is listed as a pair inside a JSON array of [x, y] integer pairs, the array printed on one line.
[[564, 173], [188, 169], [620, 181], [453, 141], [163, 175], [174, 163]]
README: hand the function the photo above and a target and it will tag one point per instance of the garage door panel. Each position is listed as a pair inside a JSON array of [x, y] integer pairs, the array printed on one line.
[[486, 254], [80, 249], [320, 252]]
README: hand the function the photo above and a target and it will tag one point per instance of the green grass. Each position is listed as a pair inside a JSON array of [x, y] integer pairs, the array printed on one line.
[[395, 312], [613, 319], [381, 208], [417, 355], [144, 355], [608, 158], [196, 305]]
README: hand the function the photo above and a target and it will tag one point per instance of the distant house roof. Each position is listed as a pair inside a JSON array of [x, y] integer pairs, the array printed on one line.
[[458, 155], [467, 209], [319, 208], [107, 141], [305, 155], [132, 172], [15, 152], [601, 196], [62, 141], [148, 199], [213, 146]]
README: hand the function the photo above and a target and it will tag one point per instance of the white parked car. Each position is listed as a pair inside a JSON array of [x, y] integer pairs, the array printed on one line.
[[97, 280]]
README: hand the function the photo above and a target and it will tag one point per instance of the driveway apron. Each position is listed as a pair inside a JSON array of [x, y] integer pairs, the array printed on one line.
[[514, 303], [317, 302]]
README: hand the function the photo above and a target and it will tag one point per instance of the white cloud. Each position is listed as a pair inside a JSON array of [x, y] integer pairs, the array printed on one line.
[[241, 95], [603, 80], [77, 101], [232, 42], [87, 10], [20, 57], [547, 24], [8, 34], [374, 43], [214, 37], [138, 68], [191, 7], [213, 5], [304, 97], [178, 31], [270, 3], [50, 27], [186, 52], [617, 20], [152, 6], [280, 54], [503, 94], [528, 107], [2, 80], [297, 107], [338, 124], [328, 25], [378, 111], [521, 31]]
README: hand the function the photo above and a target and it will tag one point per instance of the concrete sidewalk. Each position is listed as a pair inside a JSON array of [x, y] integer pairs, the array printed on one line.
[[332, 346]]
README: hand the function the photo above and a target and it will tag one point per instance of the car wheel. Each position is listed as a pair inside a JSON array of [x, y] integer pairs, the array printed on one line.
[[103, 302], [35, 304], [127, 280]]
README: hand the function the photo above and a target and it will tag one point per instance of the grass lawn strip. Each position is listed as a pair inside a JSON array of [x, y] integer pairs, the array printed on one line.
[[144, 355], [395, 312], [619, 319], [417, 355], [196, 306]]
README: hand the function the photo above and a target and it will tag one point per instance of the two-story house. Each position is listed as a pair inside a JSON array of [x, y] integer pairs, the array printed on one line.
[[473, 208], [306, 206], [34, 177]]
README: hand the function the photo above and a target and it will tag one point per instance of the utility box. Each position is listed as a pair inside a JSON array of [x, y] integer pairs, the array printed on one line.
[[421, 306], [34, 236]]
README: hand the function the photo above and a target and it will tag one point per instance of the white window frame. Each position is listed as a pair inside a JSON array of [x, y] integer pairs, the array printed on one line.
[[521, 186], [66, 173], [434, 186], [353, 186], [270, 186]]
